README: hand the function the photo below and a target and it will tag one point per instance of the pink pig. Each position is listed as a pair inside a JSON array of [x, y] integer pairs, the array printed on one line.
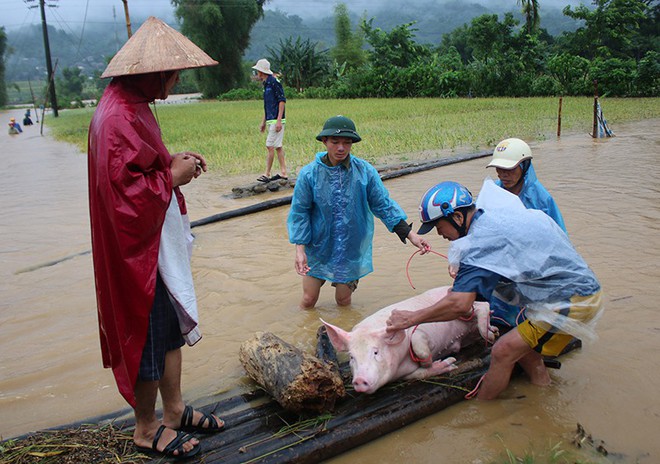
[[377, 358]]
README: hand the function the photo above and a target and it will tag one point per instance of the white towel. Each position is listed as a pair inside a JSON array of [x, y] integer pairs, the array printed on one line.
[[174, 257]]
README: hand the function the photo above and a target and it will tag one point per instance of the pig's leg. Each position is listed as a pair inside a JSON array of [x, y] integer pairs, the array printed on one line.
[[420, 346], [488, 332], [437, 368]]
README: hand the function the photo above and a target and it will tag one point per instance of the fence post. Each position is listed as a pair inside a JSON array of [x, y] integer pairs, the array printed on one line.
[[594, 133], [559, 119]]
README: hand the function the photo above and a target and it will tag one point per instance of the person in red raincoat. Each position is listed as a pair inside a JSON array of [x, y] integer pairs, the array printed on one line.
[[141, 239]]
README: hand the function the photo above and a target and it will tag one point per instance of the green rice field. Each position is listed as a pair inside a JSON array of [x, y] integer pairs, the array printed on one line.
[[227, 133]]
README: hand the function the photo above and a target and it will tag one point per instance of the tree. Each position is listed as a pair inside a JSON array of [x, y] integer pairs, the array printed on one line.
[[3, 86], [610, 30], [489, 38], [571, 72], [499, 61], [348, 48], [300, 63], [70, 87], [615, 76], [458, 39], [222, 29], [648, 74], [530, 9], [396, 48], [648, 38]]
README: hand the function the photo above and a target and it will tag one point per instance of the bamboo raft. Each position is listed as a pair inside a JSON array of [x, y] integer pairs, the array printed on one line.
[[259, 430]]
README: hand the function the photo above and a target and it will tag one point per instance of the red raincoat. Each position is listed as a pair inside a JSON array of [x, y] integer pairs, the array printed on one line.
[[130, 188]]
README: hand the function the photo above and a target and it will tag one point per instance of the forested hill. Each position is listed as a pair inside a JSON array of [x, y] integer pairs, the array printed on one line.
[[25, 57], [432, 20]]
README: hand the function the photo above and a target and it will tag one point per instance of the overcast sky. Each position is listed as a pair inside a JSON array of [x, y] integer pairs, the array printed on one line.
[[73, 14]]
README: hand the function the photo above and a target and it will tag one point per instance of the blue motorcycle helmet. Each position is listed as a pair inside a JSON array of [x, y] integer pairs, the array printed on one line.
[[441, 201]]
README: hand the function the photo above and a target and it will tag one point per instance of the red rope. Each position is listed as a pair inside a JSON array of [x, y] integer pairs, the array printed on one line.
[[475, 390], [410, 259], [413, 356], [468, 318]]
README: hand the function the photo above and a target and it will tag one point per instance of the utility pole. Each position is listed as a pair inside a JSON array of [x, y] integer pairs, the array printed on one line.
[[49, 65], [128, 19]]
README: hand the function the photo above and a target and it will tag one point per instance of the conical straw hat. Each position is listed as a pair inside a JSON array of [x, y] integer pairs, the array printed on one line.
[[156, 47]]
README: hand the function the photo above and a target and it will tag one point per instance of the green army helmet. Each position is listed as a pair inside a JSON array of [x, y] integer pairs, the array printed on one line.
[[339, 126]]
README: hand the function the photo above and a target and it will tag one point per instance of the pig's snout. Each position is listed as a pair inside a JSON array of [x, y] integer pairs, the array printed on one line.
[[362, 385]]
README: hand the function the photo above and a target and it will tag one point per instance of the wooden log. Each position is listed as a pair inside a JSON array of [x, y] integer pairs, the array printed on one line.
[[298, 381]]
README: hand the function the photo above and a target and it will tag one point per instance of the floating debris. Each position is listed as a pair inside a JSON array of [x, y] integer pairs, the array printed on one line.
[[89, 443], [583, 439]]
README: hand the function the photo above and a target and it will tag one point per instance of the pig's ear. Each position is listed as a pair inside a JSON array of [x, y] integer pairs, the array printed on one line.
[[338, 337], [394, 338]]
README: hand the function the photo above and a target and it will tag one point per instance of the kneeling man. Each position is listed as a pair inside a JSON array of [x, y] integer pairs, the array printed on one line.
[[522, 257]]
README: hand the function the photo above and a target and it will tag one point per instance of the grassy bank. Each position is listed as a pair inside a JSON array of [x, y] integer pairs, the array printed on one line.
[[227, 133]]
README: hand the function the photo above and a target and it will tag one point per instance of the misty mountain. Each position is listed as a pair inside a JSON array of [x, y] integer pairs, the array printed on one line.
[[90, 49], [318, 9], [25, 57], [432, 19]]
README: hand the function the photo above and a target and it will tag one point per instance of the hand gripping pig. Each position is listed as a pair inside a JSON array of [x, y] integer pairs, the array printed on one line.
[[377, 358]]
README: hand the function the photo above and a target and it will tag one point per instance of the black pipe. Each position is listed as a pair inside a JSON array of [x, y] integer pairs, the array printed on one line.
[[264, 205]]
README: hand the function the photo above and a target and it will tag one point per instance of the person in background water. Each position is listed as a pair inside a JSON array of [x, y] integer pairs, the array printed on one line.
[[27, 120], [14, 127], [141, 241], [274, 120], [512, 160], [497, 245], [331, 217]]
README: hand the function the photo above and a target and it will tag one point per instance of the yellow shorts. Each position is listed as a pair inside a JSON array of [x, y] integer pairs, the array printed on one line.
[[546, 339]]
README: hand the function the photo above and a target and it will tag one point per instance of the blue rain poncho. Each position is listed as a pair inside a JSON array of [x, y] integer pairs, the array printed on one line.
[[332, 215], [530, 250], [534, 196]]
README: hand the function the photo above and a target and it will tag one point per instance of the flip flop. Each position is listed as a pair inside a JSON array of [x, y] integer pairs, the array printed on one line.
[[263, 179], [207, 424], [175, 445], [278, 177]]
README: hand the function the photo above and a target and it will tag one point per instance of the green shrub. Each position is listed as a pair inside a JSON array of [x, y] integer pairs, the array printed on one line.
[[241, 94], [318, 92], [647, 81], [545, 86], [615, 76]]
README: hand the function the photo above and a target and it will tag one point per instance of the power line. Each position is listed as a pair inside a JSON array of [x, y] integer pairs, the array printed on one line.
[[82, 33], [64, 24]]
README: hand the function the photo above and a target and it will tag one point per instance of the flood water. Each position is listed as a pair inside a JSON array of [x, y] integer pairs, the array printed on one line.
[[609, 194]]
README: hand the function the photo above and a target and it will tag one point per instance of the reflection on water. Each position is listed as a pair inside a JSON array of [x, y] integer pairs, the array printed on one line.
[[607, 190]]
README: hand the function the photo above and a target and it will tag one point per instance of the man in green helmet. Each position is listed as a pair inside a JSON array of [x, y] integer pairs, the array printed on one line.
[[331, 217]]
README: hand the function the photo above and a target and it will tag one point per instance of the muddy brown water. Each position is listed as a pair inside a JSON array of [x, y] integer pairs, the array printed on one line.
[[609, 194]]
